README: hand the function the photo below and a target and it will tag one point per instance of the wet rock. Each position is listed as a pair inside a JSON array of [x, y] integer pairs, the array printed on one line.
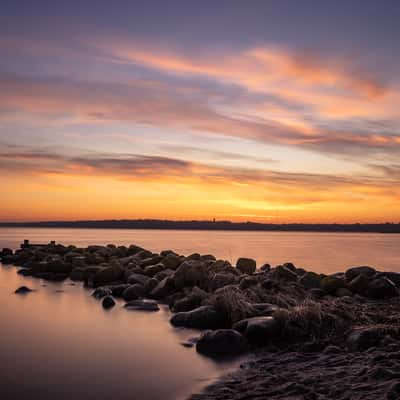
[[142, 305], [163, 288], [138, 278], [310, 280], [190, 342], [207, 257], [330, 284], [317, 294], [247, 282], [194, 256], [382, 288], [152, 270], [108, 302], [102, 292], [259, 331], [151, 284], [353, 272], [108, 274], [392, 276], [222, 342], [359, 284], [191, 273], [163, 274], [284, 274], [172, 261], [25, 271], [204, 317], [6, 252], [118, 290], [133, 292], [220, 280], [23, 290], [266, 267], [77, 274], [246, 265], [191, 301]]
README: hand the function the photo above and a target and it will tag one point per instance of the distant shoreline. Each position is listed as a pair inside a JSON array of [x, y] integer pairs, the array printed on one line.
[[209, 226]]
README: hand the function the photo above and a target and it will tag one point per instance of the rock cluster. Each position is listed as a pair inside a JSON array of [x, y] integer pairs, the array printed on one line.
[[242, 306]]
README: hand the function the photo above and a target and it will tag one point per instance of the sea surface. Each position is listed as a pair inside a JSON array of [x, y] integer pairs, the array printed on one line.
[[58, 343]]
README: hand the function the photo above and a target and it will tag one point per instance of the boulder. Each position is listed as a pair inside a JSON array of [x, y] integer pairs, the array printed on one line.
[[220, 280], [364, 338], [353, 272], [247, 281], [23, 290], [392, 276], [118, 290], [191, 301], [108, 274], [204, 317], [25, 272], [142, 305], [152, 270], [382, 288], [133, 292], [265, 267], [259, 331], [108, 302], [6, 252], [171, 261], [310, 280], [246, 265], [284, 274], [207, 257], [163, 274], [138, 278], [330, 284], [191, 273], [151, 261], [151, 284], [163, 288], [77, 274], [316, 294], [359, 284], [222, 342]]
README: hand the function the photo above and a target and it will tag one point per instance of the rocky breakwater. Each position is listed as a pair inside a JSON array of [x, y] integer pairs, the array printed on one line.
[[271, 312]]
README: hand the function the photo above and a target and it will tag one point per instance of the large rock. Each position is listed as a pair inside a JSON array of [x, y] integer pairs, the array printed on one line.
[[284, 274], [222, 342], [353, 272], [77, 274], [330, 284], [171, 261], [247, 282], [152, 270], [191, 301], [102, 292], [138, 278], [220, 280], [204, 317], [359, 284], [163, 288], [191, 273], [246, 265], [311, 280], [23, 290], [382, 288], [259, 330], [133, 292], [108, 274]]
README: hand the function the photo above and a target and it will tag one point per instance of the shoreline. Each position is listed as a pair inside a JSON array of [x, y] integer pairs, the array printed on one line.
[[277, 316]]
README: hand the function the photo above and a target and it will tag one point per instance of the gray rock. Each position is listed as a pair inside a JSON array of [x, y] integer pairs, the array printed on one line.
[[138, 278], [266, 267], [191, 273], [246, 265], [259, 330], [222, 342], [151, 284], [172, 261], [102, 292], [204, 317], [191, 301], [220, 280], [360, 284], [343, 292], [284, 274], [77, 274], [152, 270], [108, 274], [247, 282]]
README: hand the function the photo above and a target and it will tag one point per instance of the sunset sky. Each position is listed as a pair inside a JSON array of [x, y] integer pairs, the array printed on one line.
[[275, 111]]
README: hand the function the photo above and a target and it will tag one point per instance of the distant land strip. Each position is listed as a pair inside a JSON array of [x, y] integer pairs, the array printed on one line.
[[209, 225]]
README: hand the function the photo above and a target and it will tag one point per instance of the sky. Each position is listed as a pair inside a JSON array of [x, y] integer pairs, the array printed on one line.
[[235, 110]]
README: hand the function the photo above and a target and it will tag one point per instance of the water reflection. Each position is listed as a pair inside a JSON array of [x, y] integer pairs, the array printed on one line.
[[64, 345]]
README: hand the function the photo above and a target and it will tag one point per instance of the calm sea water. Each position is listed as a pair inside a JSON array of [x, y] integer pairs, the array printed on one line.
[[58, 342]]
